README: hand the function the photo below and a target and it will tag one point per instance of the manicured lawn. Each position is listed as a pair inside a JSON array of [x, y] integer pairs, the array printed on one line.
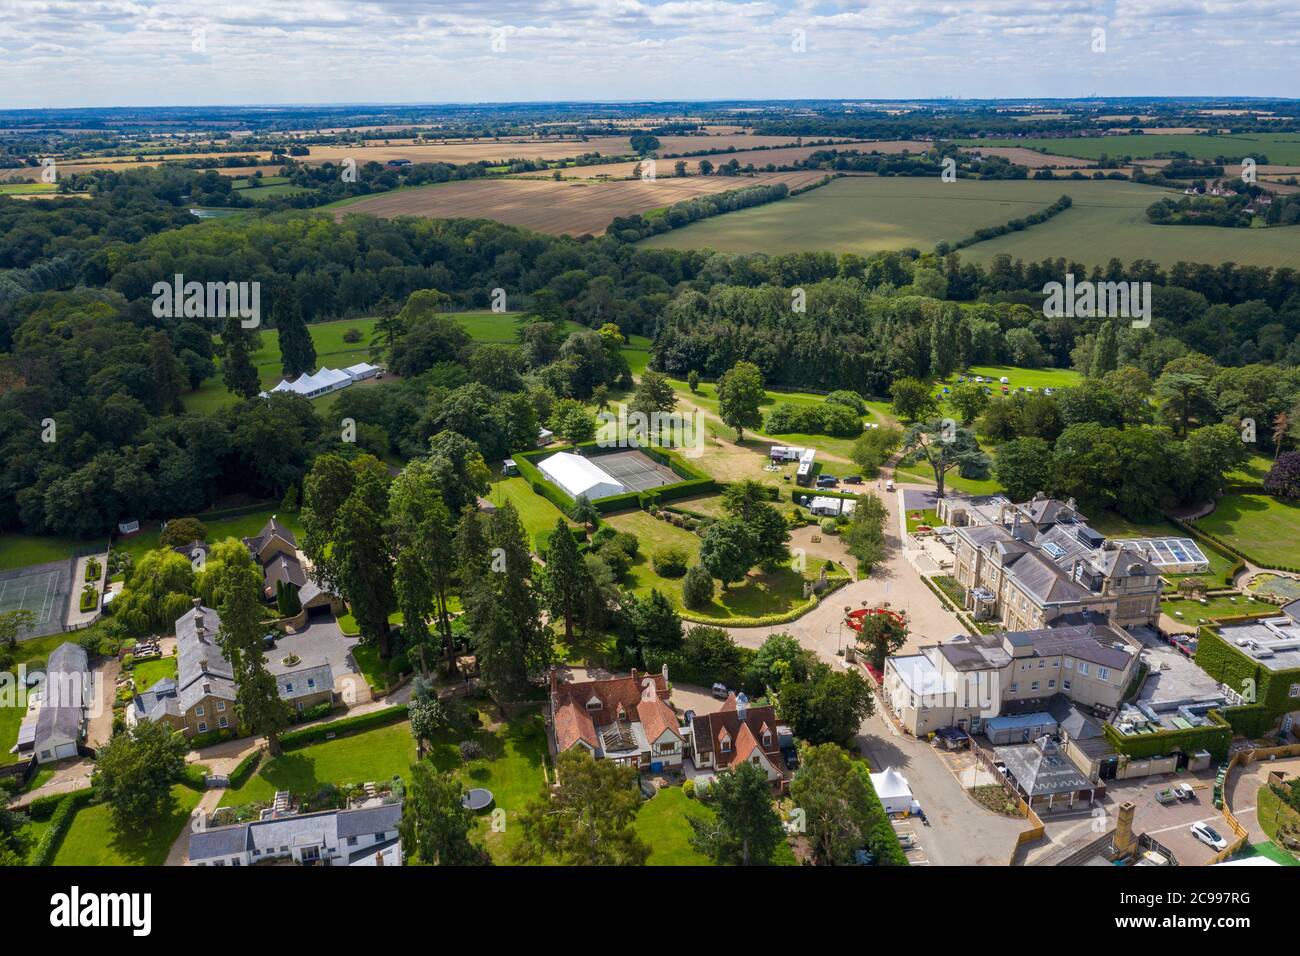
[[148, 673], [1273, 813], [21, 550], [376, 755], [664, 823], [1035, 378], [30, 833], [92, 840], [377, 672], [922, 473], [706, 505], [916, 519], [1263, 528], [511, 767], [1253, 472], [637, 353], [536, 512], [1215, 607]]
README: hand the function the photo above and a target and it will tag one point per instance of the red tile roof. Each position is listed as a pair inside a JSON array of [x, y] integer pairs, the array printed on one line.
[[574, 721], [746, 735]]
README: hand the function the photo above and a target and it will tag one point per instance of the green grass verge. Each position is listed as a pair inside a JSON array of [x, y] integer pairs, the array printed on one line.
[[663, 822], [1265, 529]]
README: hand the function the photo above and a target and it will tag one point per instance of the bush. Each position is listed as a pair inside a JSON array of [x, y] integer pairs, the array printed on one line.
[[697, 588], [352, 335], [670, 561], [829, 526], [688, 789], [348, 725], [470, 750], [241, 774]]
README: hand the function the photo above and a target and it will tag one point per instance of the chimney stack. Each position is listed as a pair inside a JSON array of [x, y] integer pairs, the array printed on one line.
[[1125, 841]]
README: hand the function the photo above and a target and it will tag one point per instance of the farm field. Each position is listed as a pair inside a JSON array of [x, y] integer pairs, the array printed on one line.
[[758, 157], [1032, 159], [867, 214], [28, 189], [1265, 529], [556, 207], [1278, 148]]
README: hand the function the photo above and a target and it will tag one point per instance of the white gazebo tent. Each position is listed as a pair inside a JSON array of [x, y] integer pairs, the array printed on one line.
[[892, 789]]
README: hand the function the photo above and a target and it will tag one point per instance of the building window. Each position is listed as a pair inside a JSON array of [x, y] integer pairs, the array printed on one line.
[[1014, 687], [198, 711], [726, 745], [223, 723], [767, 738], [203, 727], [1051, 682], [1103, 673], [311, 682], [288, 688], [221, 705], [1084, 667], [1069, 663], [1065, 684], [352, 841], [1034, 686], [1041, 663]]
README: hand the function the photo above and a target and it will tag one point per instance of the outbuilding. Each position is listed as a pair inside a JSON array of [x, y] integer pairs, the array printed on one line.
[[576, 476]]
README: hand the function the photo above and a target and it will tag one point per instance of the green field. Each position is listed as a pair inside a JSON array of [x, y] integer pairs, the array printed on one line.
[[1037, 378], [536, 512], [92, 839], [1264, 529], [148, 673], [1193, 612], [241, 526], [27, 189], [1281, 149], [868, 214]]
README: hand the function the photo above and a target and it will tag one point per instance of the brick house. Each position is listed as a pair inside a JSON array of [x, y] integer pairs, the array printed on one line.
[[625, 719], [736, 734]]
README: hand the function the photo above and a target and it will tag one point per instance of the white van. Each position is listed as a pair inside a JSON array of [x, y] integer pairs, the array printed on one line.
[[1004, 380], [889, 484]]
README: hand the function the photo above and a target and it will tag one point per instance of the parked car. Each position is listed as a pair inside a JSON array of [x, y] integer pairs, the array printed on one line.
[[1184, 791], [1209, 836], [1167, 795], [889, 485], [853, 480], [720, 692]]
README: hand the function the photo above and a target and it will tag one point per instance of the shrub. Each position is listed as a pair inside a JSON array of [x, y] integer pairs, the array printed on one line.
[[348, 725], [60, 819], [670, 561], [352, 335], [470, 750], [688, 789], [240, 775], [697, 588], [828, 526]]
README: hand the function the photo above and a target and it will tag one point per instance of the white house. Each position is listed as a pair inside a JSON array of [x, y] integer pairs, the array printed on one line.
[[579, 476], [363, 836]]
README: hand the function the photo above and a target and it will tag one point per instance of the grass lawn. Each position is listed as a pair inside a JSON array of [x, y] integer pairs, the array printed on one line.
[[1272, 813], [21, 550], [1215, 607], [377, 672], [922, 473], [92, 840], [27, 189], [377, 755], [759, 595], [536, 513], [1035, 378], [10, 720], [1263, 528], [148, 673], [30, 833], [1252, 473], [502, 327], [916, 519], [705, 504], [663, 822], [511, 767]]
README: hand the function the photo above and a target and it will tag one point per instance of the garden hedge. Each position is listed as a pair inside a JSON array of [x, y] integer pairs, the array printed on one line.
[[1216, 737], [1230, 666], [348, 725], [239, 776], [66, 808]]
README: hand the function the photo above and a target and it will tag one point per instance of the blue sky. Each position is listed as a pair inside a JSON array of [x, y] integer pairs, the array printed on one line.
[[66, 53]]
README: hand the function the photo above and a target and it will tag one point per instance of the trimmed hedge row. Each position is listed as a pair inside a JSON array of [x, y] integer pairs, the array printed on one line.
[[1229, 666], [836, 581], [1216, 737], [348, 725], [66, 808], [239, 776], [1249, 720]]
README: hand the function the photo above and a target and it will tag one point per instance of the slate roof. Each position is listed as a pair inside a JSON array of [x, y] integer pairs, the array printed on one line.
[[158, 701], [331, 827], [1088, 642], [272, 529], [1073, 722], [283, 568], [202, 667], [1040, 768], [305, 682]]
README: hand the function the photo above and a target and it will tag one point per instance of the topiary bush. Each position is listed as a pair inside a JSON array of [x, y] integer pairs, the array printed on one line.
[[697, 588], [670, 561]]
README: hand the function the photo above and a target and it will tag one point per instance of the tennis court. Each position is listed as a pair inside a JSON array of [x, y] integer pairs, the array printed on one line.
[[636, 471], [41, 589]]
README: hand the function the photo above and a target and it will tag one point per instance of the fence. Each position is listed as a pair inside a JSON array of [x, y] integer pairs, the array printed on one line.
[[23, 771], [1035, 831], [1241, 758]]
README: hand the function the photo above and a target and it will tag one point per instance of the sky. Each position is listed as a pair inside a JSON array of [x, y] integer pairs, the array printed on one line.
[[97, 53]]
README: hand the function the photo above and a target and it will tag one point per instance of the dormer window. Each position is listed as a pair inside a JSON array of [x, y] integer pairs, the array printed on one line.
[[594, 704], [767, 739], [724, 743]]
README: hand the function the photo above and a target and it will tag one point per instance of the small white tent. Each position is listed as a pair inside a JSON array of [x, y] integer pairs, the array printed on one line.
[[892, 789], [578, 476]]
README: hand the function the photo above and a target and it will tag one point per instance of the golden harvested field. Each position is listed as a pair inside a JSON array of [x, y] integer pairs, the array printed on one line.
[[1023, 156], [556, 207]]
